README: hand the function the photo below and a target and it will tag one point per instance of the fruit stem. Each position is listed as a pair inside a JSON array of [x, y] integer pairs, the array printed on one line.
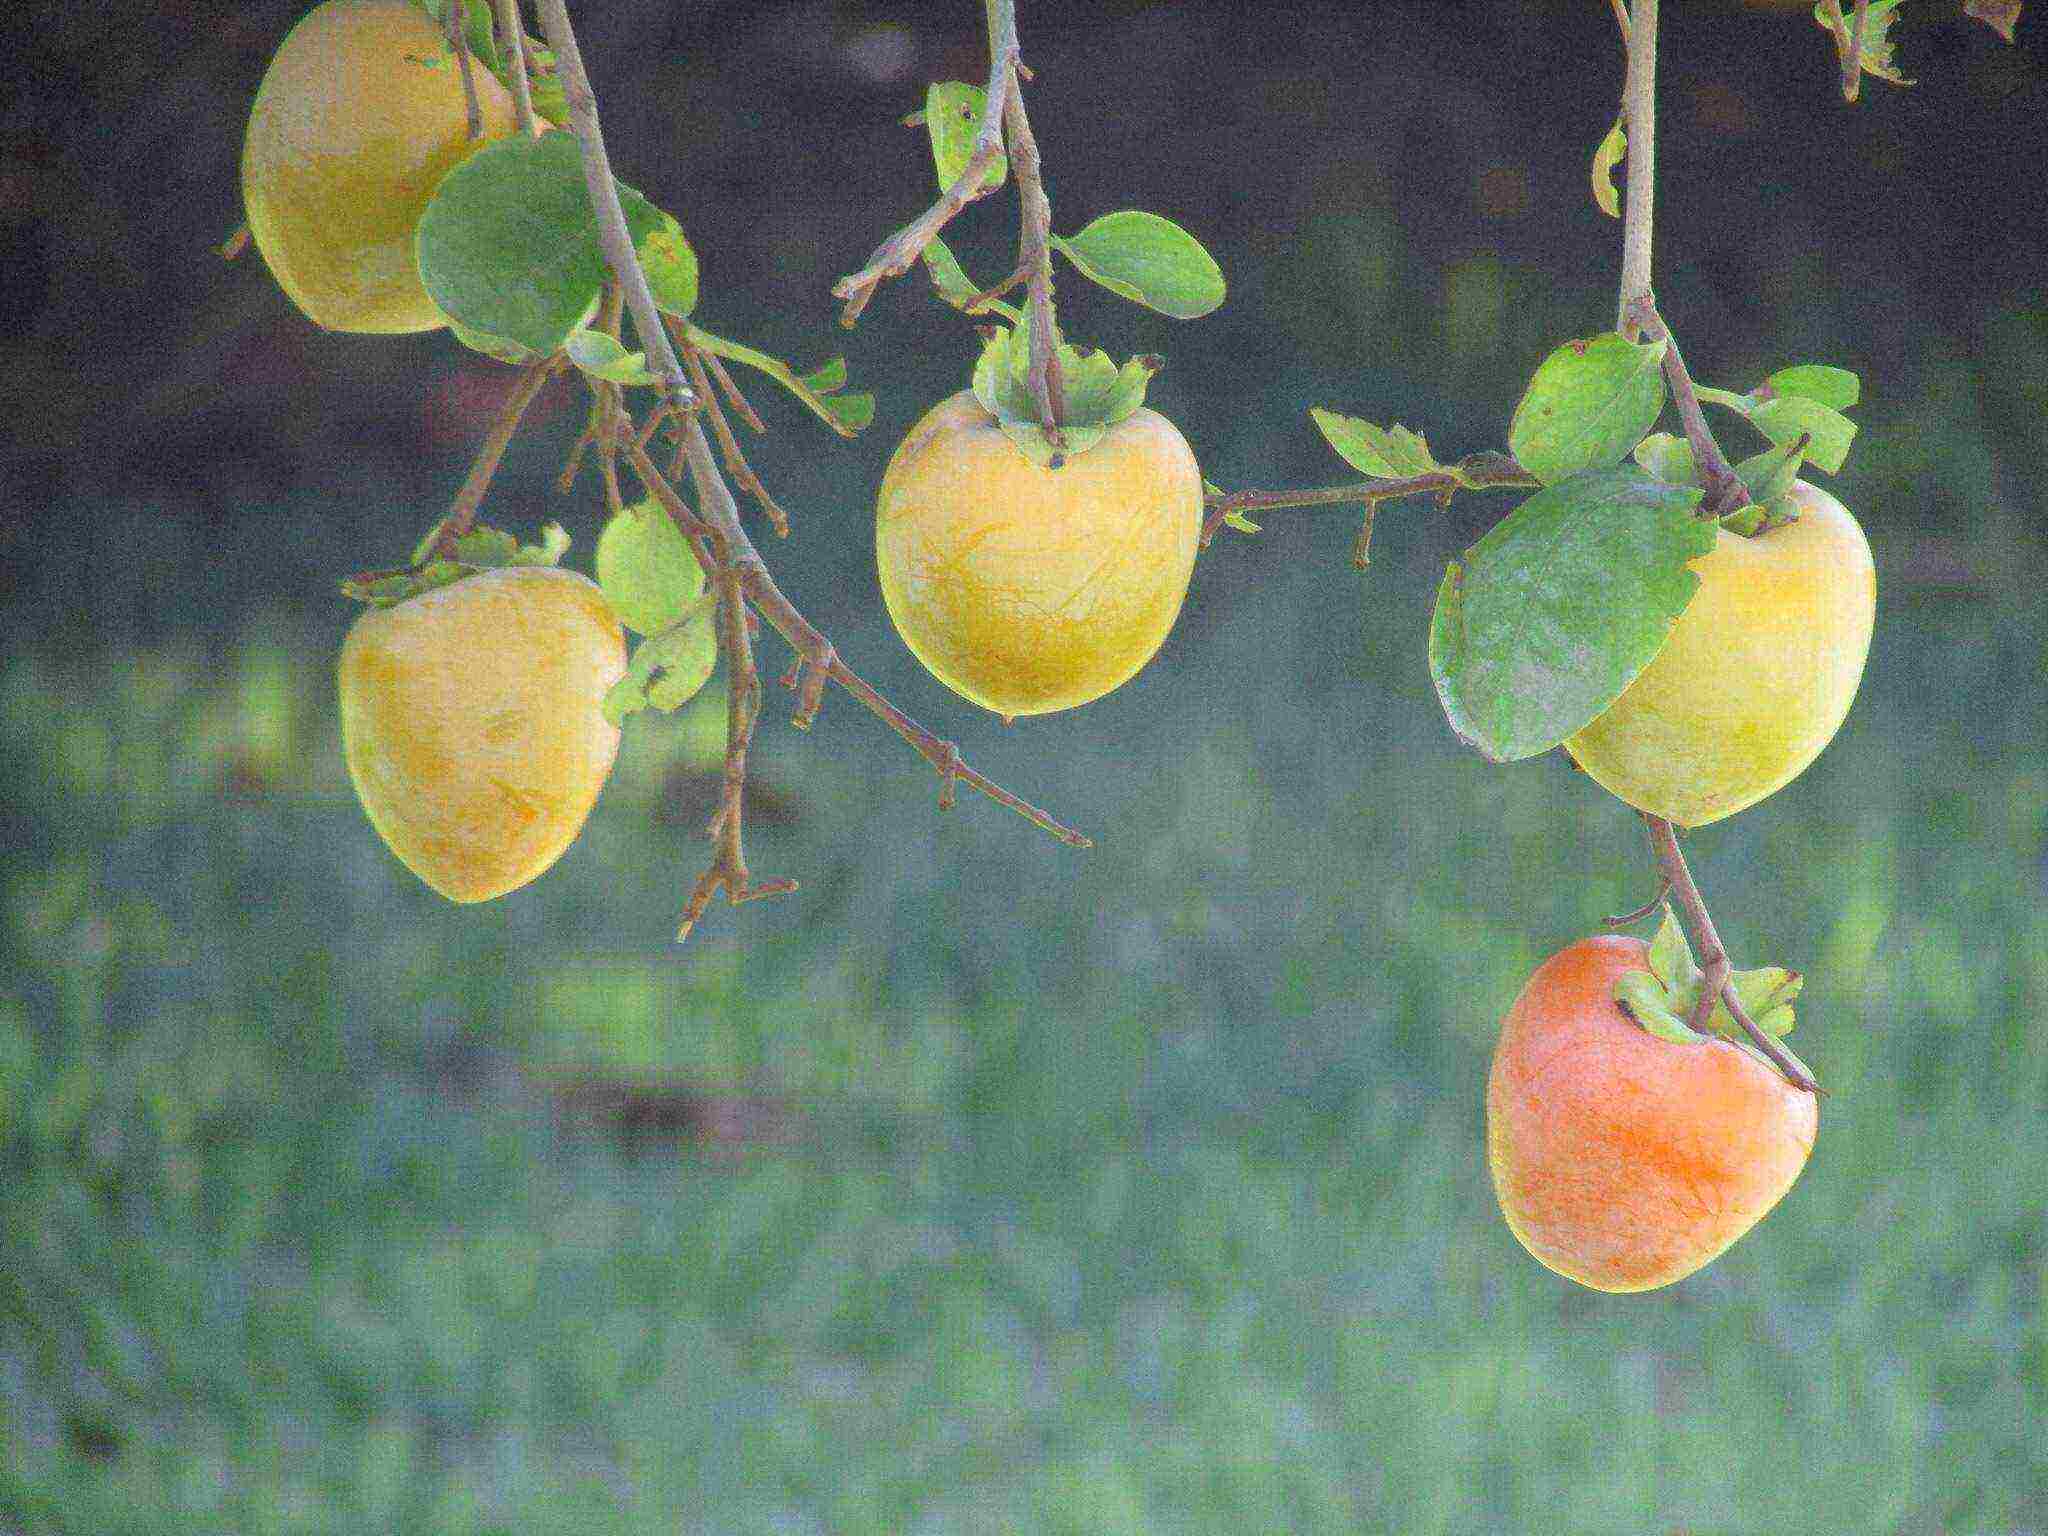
[[512, 43], [1715, 968]]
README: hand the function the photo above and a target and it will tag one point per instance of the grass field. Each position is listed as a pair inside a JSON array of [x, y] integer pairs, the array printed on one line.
[[986, 1187]]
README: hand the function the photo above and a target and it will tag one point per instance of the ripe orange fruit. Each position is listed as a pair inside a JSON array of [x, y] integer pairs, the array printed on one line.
[[1756, 678], [359, 116], [471, 721], [1624, 1161], [1027, 589]]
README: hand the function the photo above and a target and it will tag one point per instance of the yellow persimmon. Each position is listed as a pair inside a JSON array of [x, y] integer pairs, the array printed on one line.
[[360, 115], [472, 723], [1756, 678], [1029, 589]]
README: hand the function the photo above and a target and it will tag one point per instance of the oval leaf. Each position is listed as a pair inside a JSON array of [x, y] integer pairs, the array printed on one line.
[[1149, 260], [1588, 405], [1605, 159], [1382, 453], [1837, 388], [649, 573], [509, 247], [952, 116], [601, 356], [1552, 614], [1789, 417]]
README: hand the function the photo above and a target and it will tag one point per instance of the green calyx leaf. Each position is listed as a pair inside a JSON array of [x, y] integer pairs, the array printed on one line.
[[509, 248], [670, 668], [480, 549], [1605, 159], [1382, 453], [952, 117], [1096, 394], [1768, 476], [1668, 457], [1664, 998], [1149, 260], [648, 570], [1543, 623], [602, 357], [1589, 403], [818, 389]]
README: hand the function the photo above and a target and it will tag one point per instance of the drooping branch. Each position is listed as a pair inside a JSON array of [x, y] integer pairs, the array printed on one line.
[[735, 568]]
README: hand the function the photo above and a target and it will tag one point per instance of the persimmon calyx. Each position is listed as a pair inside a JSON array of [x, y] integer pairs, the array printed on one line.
[[480, 549], [1095, 394], [1663, 998]]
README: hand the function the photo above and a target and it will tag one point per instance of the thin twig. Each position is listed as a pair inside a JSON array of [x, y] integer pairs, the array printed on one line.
[[462, 512], [1715, 968], [459, 41], [900, 252], [736, 463], [1621, 20], [1478, 472], [731, 391], [512, 42], [1640, 99], [1647, 909], [1034, 260], [1726, 493], [1852, 64]]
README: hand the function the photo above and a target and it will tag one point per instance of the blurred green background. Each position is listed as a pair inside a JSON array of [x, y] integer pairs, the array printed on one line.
[[985, 1186]]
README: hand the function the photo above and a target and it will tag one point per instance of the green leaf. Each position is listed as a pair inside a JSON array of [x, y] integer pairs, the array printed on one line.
[[1554, 612], [1784, 419], [1878, 44], [1605, 159], [1769, 475], [492, 346], [1671, 957], [1149, 260], [952, 116], [1669, 458], [1588, 405], [648, 570], [1836, 388], [1766, 994], [844, 414], [509, 248], [480, 549], [1644, 999], [669, 669], [601, 356], [477, 30], [957, 288], [1381, 453]]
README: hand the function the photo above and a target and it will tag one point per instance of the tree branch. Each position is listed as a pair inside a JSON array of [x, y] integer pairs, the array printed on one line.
[[1640, 99], [1725, 491], [1476, 472], [512, 41]]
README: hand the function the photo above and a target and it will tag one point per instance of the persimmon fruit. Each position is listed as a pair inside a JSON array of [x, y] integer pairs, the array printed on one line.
[[472, 724], [359, 116], [1756, 678], [1029, 589], [1622, 1160]]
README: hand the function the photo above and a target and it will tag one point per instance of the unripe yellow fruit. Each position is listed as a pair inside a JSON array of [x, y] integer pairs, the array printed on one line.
[[472, 724], [1756, 678], [1028, 589], [360, 115]]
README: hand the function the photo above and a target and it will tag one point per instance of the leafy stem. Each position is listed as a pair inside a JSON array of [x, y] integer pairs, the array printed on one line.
[[733, 566], [1476, 472]]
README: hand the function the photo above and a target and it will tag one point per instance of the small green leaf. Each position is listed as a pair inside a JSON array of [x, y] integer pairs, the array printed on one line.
[[1786, 418], [601, 356], [509, 247], [1149, 260], [480, 549], [492, 346], [1381, 453], [1671, 957], [1878, 45], [957, 288], [844, 414], [1769, 475], [827, 377], [1588, 405], [1553, 613], [1766, 994], [648, 570], [1643, 998], [1669, 458], [669, 669], [952, 117], [850, 413], [1836, 388], [1605, 159], [1240, 522]]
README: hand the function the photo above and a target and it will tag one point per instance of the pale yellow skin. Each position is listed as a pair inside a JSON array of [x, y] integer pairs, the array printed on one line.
[[470, 720], [359, 116], [1028, 589], [1756, 678]]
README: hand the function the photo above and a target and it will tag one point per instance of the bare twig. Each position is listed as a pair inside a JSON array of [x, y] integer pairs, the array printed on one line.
[[1715, 968], [462, 513], [512, 42], [736, 463], [1478, 472], [731, 391], [1647, 909], [1621, 19], [458, 40], [1640, 100], [1725, 491]]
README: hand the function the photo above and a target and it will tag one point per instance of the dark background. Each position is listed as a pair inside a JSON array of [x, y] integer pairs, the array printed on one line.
[[983, 1186]]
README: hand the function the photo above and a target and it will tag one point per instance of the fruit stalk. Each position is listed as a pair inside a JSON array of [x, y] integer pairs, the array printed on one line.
[[532, 378]]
